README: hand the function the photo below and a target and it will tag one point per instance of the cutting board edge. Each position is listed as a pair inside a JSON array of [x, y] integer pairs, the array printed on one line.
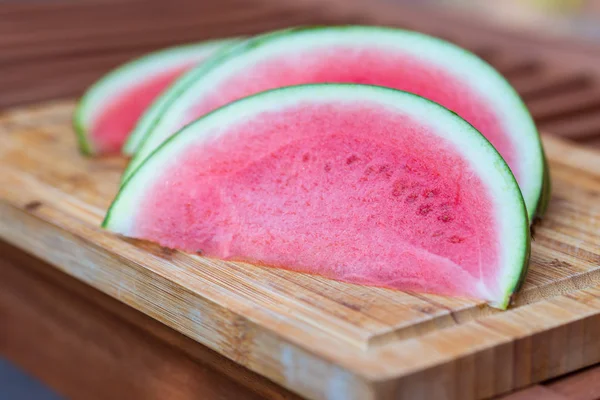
[[482, 339]]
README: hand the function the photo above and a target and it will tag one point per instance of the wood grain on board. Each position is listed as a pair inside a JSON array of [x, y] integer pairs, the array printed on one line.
[[86, 345], [309, 334]]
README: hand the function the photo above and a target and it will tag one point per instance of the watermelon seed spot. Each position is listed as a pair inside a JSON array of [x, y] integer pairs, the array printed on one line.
[[353, 158], [305, 157], [445, 218], [398, 188], [437, 233], [412, 198], [429, 193], [385, 169], [370, 170], [327, 167], [456, 239], [425, 209]]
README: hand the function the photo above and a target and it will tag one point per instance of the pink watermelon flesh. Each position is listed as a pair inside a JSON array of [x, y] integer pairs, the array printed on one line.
[[380, 201], [364, 66], [116, 121]]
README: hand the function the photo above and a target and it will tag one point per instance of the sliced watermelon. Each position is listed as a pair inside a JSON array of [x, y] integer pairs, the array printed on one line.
[[410, 61], [357, 183], [109, 110]]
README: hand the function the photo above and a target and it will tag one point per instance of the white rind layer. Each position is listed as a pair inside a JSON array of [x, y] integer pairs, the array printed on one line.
[[112, 84]]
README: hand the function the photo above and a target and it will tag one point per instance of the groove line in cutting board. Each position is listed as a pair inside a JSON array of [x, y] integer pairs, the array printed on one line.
[[427, 315], [404, 311]]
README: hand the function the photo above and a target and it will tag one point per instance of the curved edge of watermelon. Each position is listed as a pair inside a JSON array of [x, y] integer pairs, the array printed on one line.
[[535, 158], [546, 194], [121, 213], [113, 80], [84, 144], [150, 117]]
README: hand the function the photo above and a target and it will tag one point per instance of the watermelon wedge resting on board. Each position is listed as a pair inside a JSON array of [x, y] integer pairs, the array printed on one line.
[[109, 110], [410, 61], [357, 183]]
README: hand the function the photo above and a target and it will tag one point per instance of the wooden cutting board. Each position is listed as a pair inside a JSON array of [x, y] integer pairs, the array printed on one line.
[[319, 338]]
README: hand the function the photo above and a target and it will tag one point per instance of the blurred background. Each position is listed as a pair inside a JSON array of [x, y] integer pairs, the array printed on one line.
[[548, 49], [53, 49], [551, 17]]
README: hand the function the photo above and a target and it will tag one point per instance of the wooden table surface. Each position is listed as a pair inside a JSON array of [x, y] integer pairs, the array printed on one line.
[[85, 344]]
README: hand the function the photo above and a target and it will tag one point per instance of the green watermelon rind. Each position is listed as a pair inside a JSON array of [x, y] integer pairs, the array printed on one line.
[[148, 119], [546, 193], [113, 81], [530, 151], [121, 213], [152, 116]]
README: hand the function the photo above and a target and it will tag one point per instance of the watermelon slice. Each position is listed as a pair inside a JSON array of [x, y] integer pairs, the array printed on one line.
[[109, 110], [410, 61], [357, 183]]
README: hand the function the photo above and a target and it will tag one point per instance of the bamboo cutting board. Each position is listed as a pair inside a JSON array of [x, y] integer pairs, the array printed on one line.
[[319, 338]]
